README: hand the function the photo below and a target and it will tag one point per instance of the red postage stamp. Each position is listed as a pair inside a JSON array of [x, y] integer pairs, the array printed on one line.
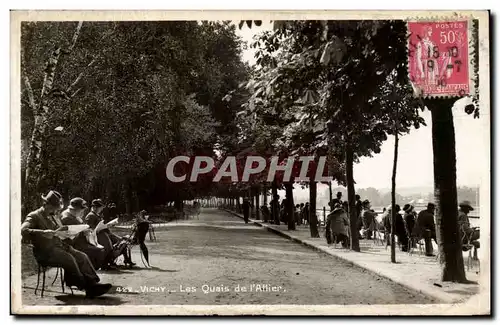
[[438, 58]]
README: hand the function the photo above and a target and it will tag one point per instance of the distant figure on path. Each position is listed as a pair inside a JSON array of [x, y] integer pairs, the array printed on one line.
[[305, 214], [359, 211], [265, 213], [246, 210], [426, 228]]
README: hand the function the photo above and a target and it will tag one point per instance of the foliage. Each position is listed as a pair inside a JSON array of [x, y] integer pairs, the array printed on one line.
[[153, 90]]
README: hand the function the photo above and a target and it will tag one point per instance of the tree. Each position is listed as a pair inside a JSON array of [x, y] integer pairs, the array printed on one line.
[[445, 187], [322, 81]]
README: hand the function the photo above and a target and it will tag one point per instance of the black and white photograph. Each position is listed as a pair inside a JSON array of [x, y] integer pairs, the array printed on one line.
[[250, 163]]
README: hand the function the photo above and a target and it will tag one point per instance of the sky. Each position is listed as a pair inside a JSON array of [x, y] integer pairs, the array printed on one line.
[[415, 165]]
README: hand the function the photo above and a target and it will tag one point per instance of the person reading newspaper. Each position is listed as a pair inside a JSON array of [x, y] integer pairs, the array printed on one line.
[[113, 244], [47, 233], [84, 241]]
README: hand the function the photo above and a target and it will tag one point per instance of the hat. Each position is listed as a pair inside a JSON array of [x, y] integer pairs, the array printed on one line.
[[466, 204], [407, 207], [53, 198], [97, 203], [111, 205], [365, 202], [430, 205], [339, 193], [77, 203]]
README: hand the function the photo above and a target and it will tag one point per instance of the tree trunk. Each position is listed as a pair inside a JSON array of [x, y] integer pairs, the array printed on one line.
[[445, 189], [290, 206], [40, 113], [353, 218], [393, 197], [313, 219], [275, 212]]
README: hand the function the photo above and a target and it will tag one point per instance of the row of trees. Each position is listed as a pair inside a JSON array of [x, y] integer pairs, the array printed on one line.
[[340, 88], [105, 105]]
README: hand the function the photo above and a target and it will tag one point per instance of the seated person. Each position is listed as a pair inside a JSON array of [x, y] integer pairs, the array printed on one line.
[[40, 227], [468, 233], [425, 228], [73, 216], [113, 245], [337, 225]]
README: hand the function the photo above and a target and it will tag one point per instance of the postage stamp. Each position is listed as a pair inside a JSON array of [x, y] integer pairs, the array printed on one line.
[[237, 163], [438, 58]]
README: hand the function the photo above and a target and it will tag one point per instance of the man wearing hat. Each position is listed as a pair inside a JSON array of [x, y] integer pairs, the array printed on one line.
[[426, 228], [41, 228], [73, 216], [114, 246], [467, 232], [409, 219], [338, 199], [368, 219]]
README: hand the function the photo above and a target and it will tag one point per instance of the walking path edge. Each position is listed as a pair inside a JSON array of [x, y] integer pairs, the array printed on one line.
[[430, 291]]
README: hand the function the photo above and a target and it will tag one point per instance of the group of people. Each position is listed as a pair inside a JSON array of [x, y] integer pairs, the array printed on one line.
[[409, 228], [89, 250], [300, 211]]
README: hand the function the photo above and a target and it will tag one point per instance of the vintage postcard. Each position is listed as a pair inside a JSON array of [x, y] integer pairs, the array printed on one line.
[[250, 163]]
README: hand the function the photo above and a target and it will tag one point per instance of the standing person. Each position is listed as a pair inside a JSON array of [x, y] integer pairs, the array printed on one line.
[[359, 210], [426, 228], [275, 208], [338, 199], [265, 213], [113, 245], [368, 219], [301, 213], [306, 213], [296, 214], [399, 228], [246, 210], [41, 227], [409, 219], [141, 228], [73, 216]]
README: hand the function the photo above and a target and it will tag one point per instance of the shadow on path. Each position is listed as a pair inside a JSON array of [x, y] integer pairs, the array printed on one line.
[[82, 300], [154, 268]]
